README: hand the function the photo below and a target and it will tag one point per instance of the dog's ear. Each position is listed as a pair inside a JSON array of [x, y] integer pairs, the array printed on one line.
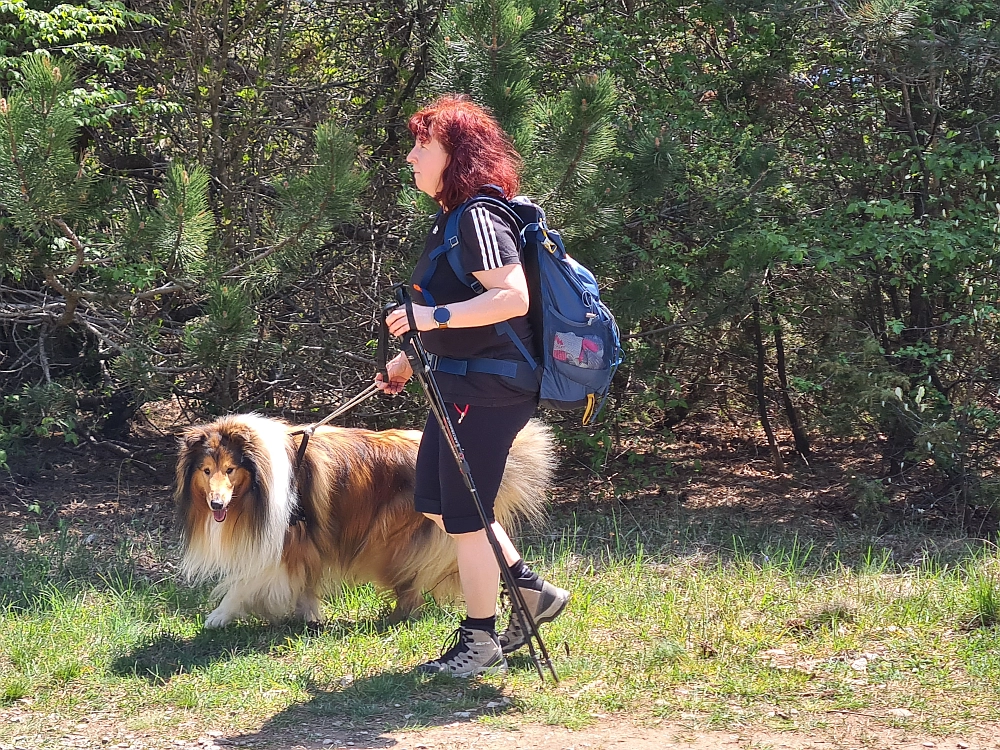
[[192, 438], [241, 435]]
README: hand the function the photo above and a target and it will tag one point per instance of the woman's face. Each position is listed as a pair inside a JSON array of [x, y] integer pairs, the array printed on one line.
[[429, 160]]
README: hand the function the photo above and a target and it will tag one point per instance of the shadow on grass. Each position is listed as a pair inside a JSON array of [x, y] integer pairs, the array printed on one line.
[[358, 711], [34, 578], [41, 579], [363, 712], [45, 563], [662, 531], [165, 655]]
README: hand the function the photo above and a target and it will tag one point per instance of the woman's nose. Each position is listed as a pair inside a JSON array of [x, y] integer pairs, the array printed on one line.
[[410, 158]]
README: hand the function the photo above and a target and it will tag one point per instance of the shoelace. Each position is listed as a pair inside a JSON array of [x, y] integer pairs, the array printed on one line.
[[457, 643]]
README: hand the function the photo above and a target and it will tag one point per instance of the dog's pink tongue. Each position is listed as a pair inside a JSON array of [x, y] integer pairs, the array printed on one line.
[[220, 515]]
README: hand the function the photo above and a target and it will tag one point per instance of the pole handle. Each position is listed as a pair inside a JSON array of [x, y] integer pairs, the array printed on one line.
[[382, 350]]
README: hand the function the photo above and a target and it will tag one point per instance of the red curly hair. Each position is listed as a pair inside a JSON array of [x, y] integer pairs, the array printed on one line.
[[481, 152]]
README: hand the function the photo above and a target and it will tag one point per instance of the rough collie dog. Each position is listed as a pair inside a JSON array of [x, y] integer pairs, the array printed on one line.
[[278, 538]]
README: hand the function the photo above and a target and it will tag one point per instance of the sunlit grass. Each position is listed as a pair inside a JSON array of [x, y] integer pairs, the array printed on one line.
[[668, 619]]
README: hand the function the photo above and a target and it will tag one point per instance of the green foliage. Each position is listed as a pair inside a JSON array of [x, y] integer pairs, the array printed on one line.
[[41, 411], [575, 143], [183, 224], [313, 203], [73, 29], [82, 33], [885, 21], [489, 49], [39, 176], [870, 500], [75, 230], [226, 330]]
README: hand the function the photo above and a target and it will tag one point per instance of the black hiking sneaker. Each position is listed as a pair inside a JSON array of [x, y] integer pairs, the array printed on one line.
[[544, 606], [471, 652]]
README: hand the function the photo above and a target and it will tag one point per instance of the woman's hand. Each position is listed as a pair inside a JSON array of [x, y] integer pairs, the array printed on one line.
[[399, 371], [423, 316]]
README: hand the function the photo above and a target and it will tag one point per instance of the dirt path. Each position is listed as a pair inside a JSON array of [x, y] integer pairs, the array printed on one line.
[[840, 733], [837, 731]]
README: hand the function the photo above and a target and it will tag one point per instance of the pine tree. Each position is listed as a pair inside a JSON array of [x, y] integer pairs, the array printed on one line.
[[90, 269], [490, 49]]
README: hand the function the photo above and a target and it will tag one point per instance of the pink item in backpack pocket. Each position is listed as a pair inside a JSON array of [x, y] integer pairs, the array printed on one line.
[[586, 352]]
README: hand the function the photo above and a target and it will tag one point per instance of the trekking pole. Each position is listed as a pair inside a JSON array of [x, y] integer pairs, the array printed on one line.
[[416, 355]]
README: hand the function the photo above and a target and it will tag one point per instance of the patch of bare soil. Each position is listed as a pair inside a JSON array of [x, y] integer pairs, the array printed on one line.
[[834, 731], [714, 468], [842, 732], [95, 486]]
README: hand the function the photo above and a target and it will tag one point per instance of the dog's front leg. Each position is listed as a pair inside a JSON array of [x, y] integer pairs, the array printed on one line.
[[408, 601], [307, 607], [229, 609]]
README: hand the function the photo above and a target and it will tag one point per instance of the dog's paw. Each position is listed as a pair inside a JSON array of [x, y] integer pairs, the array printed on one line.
[[307, 609], [219, 619]]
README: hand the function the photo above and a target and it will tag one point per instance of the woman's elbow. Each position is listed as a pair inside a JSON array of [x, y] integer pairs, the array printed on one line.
[[521, 304]]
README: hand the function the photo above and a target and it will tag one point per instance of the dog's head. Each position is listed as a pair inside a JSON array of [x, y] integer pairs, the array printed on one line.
[[215, 469]]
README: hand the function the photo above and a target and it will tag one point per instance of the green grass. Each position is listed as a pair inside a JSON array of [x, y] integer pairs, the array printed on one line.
[[709, 618]]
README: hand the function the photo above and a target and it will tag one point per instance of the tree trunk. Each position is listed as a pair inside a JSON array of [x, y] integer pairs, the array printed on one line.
[[798, 432], [779, 465]]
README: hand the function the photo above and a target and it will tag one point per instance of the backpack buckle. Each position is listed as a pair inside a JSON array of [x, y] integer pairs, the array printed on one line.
[[547, 243]]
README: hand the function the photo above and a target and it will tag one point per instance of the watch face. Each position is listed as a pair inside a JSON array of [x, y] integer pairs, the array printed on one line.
[[442, 314]]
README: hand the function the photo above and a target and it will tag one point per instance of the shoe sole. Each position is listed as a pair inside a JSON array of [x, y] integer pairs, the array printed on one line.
[[540, 620], [493, 670]]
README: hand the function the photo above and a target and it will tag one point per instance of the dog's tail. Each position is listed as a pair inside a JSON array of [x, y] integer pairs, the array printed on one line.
[[527, 477]]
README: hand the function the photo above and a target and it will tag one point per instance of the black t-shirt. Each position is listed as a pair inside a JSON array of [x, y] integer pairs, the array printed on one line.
[[488, 240]]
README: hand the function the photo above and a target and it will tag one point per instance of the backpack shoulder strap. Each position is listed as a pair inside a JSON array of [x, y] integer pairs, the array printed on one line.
[[453, 252], [431, 268], [452, 241]]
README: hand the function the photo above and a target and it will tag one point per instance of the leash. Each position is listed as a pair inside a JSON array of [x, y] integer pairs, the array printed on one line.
[[307, 432], [420, 363]]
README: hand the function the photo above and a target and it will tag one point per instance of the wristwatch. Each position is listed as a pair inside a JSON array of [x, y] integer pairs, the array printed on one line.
[[441, 316]]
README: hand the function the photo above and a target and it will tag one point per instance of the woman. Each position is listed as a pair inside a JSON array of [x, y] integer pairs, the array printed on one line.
[[459, 149]]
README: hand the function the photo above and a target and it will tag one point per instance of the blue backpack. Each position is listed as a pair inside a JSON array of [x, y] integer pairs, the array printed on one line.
[[580, 339]]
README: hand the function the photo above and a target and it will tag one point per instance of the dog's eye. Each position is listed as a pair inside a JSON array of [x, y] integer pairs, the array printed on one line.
[[230, 470], [207, 472]]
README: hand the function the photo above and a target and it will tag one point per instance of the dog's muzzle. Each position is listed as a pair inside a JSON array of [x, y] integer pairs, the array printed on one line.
[[219, 509]]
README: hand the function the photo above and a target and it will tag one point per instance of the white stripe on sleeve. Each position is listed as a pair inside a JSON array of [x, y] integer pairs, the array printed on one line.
[[486, 234]]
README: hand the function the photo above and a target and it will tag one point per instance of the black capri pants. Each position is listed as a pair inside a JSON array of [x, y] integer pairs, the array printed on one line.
[[486, 434]]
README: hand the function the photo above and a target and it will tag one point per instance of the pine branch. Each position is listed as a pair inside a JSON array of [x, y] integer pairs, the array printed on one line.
[[22, 177], [72, 298], [179, 235], [75, 241], [574, 162], [267, 252]]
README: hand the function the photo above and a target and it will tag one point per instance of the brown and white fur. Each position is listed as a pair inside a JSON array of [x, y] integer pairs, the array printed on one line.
[[237, 488]]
